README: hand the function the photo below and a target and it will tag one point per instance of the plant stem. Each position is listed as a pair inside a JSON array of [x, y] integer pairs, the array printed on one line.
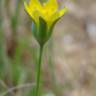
[[39, 71]]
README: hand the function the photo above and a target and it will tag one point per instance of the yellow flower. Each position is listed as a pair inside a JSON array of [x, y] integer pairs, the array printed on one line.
[[44, 15]]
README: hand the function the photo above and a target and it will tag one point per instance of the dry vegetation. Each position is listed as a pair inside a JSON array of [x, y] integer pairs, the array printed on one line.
[[69, 67]]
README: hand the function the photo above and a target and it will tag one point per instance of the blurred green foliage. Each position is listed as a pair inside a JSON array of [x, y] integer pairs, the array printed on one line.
[[14, 70]]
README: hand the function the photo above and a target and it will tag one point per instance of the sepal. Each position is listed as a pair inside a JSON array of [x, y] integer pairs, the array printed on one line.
[[40, 31]]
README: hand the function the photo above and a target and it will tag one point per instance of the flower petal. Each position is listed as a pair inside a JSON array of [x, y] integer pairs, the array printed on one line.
[[52, 4], [35, 4], [63, 11], [56, 16], [33, 13], [27, 8]]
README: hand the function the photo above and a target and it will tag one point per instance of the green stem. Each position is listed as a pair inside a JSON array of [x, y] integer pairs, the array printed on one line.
[[39, 71]]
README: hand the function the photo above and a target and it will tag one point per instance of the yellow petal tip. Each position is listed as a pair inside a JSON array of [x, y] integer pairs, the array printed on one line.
[[63, 11]]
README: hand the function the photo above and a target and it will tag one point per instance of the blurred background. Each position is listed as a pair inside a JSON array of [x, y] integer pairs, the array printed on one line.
[[69, 59]]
